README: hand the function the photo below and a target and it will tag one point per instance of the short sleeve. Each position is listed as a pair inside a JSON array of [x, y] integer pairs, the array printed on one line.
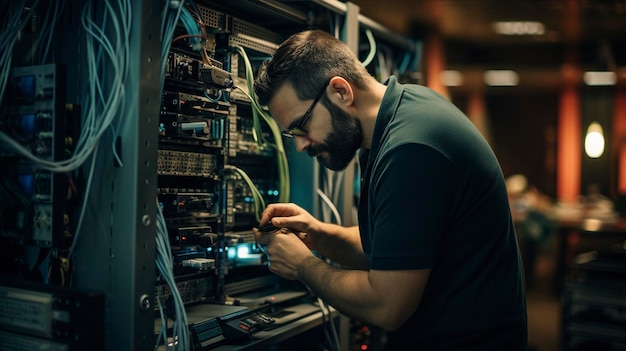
[[410, 199]]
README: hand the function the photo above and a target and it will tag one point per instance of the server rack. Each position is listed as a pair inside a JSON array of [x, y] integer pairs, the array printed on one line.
[[594, 304], [121, 184]]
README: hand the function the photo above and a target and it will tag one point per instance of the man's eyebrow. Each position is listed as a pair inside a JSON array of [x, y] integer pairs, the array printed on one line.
[[294, 123]]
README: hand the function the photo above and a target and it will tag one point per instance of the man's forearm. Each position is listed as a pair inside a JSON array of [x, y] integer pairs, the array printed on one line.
[[347, 291], [342, 245], [384, 298]]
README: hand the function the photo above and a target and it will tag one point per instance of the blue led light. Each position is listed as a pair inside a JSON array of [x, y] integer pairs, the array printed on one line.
[[25, 85], [27, 124], [27, 181]]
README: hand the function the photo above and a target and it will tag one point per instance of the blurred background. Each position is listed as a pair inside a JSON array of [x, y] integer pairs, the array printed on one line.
[[545, 82], [521, 70]]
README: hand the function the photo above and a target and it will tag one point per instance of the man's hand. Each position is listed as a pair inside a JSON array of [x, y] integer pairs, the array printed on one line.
[[294, 219], [286, 252]]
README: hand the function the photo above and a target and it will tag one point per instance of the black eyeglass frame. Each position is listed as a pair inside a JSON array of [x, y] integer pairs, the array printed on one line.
[[298, 130]]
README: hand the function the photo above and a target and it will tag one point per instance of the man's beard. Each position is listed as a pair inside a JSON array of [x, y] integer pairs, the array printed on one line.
[[342, 143]]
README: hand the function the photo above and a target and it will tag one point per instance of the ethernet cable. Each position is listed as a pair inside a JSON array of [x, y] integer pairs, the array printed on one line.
[[102, 106], [193, 28], [329, 324], [172, 11], [258, 111], [259, 203], [330, 204], [44, 39], [165, 265], [163, 331], [11, 24], [83, 209], [372, 52]]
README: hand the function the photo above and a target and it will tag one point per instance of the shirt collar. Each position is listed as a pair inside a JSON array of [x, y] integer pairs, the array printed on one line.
[[386, 113]]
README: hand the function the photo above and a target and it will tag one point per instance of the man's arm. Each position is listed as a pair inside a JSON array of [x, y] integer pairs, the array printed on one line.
[[383, 298], [341, 245]]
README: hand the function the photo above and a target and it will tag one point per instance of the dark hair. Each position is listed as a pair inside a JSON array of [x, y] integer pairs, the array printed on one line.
[[307, 60]]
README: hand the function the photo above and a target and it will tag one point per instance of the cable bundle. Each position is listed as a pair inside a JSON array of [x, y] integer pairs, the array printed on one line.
[[43, 40], [171, 14], [165, 265], [11, 22], [258, 111], [108, 61]]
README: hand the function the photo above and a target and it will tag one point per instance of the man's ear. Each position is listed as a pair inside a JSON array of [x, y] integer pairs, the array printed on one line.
[[341, 91]]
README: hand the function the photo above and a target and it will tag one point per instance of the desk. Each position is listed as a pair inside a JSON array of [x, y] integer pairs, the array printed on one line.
[[570, 229]]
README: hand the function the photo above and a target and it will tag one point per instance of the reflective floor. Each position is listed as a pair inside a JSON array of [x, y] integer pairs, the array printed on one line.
[[543, 307]]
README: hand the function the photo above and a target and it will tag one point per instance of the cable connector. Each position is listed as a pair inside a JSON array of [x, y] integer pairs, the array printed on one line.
[[216, 77], [174, 4]]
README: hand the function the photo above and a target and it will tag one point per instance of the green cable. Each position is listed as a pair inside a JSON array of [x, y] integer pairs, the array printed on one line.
[[257, 110], [259, 202]]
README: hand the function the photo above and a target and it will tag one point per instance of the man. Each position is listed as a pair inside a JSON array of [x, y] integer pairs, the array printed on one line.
[[434, 259]]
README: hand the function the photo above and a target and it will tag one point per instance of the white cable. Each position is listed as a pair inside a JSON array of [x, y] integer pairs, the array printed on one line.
[[171, 16], [111, 103], [165, 266], [338, 180], [102, 106], [333, 338], [83, 209], [372, 52], [8, 37], [330, 205], [163, 331]]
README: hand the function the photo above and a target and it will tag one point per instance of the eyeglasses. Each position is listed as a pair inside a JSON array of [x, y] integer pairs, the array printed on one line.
[[298, 130]]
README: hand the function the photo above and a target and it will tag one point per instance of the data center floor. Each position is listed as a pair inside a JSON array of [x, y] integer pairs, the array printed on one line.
[[544, 307]]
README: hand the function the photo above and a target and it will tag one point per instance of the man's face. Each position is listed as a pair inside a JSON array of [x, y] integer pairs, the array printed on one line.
[[341, 144], [333, 135]]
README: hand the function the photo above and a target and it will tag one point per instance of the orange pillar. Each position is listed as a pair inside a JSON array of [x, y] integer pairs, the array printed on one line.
[[569, 141], [619, 132], [434, 62], [477, 112]]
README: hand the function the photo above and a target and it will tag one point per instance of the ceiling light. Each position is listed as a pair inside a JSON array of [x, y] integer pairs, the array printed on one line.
[[594, 140], [501, 78], [519, 28], [451, 78], [600, 78]]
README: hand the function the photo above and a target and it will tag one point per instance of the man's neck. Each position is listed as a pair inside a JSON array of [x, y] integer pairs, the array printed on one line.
[[368, 105]]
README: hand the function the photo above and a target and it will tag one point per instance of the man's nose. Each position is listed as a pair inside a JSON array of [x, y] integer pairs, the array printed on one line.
[[302, 143]]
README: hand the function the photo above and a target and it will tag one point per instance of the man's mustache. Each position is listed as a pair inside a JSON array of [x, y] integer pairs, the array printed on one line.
[[315, 150]]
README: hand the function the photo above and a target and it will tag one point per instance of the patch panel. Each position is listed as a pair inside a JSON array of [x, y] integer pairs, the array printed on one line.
[[183, 67], [195, 105], [192, 290], [199, 235], [183, 126], [186, 163], [177, 203], [51, 315], [34, 114]]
